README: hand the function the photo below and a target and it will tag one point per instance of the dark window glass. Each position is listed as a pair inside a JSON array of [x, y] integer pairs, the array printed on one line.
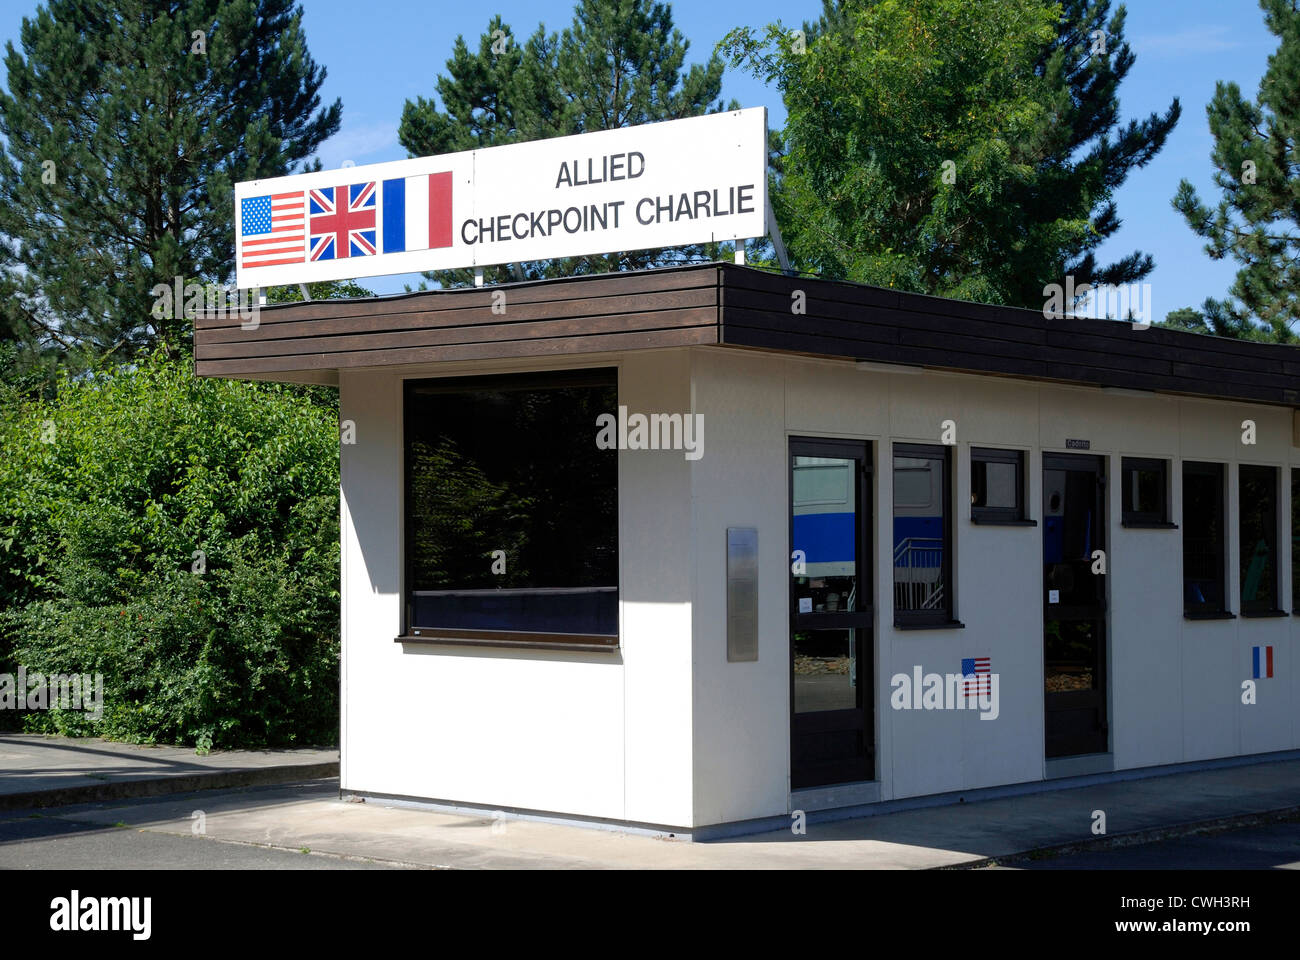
[[1204, 538], [922, 534], [1074, 530], [1258, 544], [511, 464], [1295, 540], [1144, 492], [997, 484]]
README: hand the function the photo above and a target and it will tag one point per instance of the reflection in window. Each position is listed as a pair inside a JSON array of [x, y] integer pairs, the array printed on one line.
[[1295, 539], [922, 535], [1144, 491], [1071, 655], [826, 670], [997, 484], [1204, 542], [510, 464], [825, 525], [1258, 544]]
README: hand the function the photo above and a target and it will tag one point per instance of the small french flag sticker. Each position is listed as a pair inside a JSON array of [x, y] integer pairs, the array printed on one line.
[[1262, 661]]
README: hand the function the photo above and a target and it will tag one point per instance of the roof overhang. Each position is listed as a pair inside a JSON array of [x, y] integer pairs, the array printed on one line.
[[734, 306]]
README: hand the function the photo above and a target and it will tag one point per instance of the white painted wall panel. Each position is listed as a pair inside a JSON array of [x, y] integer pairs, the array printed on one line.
[[666, 731]]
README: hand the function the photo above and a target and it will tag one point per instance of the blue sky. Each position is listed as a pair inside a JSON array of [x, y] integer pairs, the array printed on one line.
[[384, 52]]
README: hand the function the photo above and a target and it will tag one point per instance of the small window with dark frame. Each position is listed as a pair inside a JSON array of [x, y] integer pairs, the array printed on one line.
[[1257, 520], [997, 485], [511, 509], [923, 594], [1145, 492], [1204, 540]]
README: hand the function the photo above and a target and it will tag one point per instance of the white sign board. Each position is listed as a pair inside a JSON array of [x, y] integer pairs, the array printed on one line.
[[657, 185]]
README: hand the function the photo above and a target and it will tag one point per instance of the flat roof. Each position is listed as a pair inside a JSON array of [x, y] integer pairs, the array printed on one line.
[[723, 304]]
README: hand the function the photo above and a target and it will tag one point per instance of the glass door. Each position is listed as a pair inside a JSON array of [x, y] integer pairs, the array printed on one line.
[[1074, 605], [831, 651]]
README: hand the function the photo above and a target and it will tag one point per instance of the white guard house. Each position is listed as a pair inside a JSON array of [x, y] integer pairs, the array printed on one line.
[[692, 548]]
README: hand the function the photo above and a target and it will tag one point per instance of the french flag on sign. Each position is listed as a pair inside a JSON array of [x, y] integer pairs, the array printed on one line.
[[417, 213]]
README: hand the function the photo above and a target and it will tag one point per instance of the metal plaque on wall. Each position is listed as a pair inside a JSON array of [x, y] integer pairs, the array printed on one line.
[[742, 594]]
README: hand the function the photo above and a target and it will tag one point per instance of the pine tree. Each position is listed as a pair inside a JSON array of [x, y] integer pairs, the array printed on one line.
[[964, 150], [619, 63], [126, 124], [1257, 167]]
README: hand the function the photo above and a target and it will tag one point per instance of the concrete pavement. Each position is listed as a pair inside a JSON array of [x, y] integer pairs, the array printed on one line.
[[311, 816], [42, 771]]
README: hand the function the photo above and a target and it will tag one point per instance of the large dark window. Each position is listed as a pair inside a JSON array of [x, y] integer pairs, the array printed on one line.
[[1204, 540], [922, 535], [511, 509], [1258, 543]]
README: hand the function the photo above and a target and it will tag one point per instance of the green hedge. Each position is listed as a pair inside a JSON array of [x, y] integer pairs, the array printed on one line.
[[106, 493]]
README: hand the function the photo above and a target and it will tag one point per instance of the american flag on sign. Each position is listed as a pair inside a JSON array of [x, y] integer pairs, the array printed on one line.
[[343, 221], [977, 671], [272, 230]]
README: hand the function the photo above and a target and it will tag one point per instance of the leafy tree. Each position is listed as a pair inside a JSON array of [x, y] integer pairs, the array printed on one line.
[[323, 290], [620, 63], [125, 126], [1215, 321], [965, 150], [1257, 168], [178, 535]]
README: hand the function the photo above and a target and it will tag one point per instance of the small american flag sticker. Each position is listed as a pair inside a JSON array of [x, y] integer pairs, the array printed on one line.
[[977, 672]]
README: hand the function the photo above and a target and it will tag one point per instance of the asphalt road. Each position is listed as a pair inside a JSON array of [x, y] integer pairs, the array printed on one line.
[[1273, 846]]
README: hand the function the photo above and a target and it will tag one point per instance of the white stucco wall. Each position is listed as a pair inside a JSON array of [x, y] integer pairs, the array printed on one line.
[[1174, 684], [595, 734], [665, 731]]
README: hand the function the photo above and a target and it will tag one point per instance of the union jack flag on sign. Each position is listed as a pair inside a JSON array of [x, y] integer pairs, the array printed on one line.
[[343, 221]]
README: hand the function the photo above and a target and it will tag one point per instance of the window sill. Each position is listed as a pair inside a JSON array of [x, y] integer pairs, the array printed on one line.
[[1262, 614], [946, 625], [500, 638], [998, 522], [1149, 525], [1208, 615]]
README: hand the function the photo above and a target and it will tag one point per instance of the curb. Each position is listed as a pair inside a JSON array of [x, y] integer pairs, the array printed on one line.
[[163, 786], [1190, 828]]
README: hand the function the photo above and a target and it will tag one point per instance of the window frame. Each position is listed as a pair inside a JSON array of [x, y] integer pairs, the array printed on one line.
[[1004, 516], [947, 615], [596, 376], [1271, 529], [1218, 471], [1157, 519]]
